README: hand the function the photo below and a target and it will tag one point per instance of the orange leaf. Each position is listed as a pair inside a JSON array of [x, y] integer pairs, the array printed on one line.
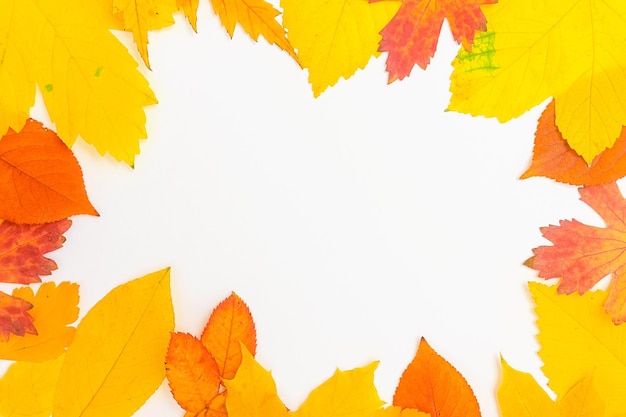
[[40, 179], [229, 324], [430, 384], [582, 255], [192, 374], [411, 36], [553, 157], [14, 317], [22, 248]]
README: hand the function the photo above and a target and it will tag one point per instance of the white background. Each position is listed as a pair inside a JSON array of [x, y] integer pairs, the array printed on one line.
[[352, 224]]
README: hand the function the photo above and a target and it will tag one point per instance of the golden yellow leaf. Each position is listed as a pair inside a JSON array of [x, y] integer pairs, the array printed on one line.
[[577, 338], [140, 16], [54, 307], [190, 8], [582, 400], [27, 389], [519, 395], [256, 17], [568, 49], [395, 411], [252, 392], [334, 38], [116, 360], [89, 81], [346, 394]]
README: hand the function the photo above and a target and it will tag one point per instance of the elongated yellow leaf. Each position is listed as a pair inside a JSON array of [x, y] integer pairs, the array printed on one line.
[[519, 395], [577, 338], [568, 49], [334, 38], [116, 360], [90, 83], [27, 389]]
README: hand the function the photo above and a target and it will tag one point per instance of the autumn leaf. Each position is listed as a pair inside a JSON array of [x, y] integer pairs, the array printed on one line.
[[520, 395], [55, 307], [14, 317], [22, 248], [229, 325], [553, 158], [334, 38], [40, 179], [252, 392], [570, 50], [412, 35], [430, 384], [140, 16], [190, 9], [256, 17], [89, 81], [395, 411], [27, 388], [582, 255], [577, 342], [115, 361], [192, 374]]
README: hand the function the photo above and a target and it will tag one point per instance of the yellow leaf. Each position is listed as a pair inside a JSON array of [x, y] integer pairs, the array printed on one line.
[[582, 400], [334, 38], [140, 16], [116, 359], [90, 83], [395, 411], [568, 49], [252, 392], [577, 338], [27, 389], [345, 394], [190, 8], [54, 307], [519, 395], [256, 17]]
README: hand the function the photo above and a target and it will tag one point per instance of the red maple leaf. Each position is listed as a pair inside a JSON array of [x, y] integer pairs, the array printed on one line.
[[411, 36], [14, 317]]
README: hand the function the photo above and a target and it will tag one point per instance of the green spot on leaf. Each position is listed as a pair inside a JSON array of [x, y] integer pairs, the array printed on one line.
[[481, 57], [48, 88], [98, 71]]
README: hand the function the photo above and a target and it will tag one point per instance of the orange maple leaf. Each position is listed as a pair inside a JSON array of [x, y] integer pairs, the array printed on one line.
[[553, 157], [411, 36], [582, 255], [431, 385], [229, 324], [22, 248], [40, 179], [14, 317]]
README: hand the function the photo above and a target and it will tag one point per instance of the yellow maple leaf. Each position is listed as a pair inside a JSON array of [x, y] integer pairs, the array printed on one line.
[[252, 393], [190, 9], [116, 359], [334, 38], [568, 49], [54, 307], [140, 16], [256, 17], [27, 388], [577, 339], [89, 81]]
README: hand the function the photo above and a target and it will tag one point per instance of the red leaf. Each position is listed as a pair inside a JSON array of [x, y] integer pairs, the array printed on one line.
[[22, 248], [14, 317], [40, 179], [411, 36]]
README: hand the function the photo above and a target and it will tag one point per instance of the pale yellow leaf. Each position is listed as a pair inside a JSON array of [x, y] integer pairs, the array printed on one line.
[[116, 360], [334, 38], [27, 389]]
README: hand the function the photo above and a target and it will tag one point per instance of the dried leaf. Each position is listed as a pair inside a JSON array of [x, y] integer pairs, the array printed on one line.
[[432, 385], [116, 359], [54, 308], [40, 179]]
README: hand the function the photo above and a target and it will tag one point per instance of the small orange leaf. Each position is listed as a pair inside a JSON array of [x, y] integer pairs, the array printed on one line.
[[14, 317], [40, 179], [229, 324], [430, 384], [553, 157], [22, 248], [192, 374]]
